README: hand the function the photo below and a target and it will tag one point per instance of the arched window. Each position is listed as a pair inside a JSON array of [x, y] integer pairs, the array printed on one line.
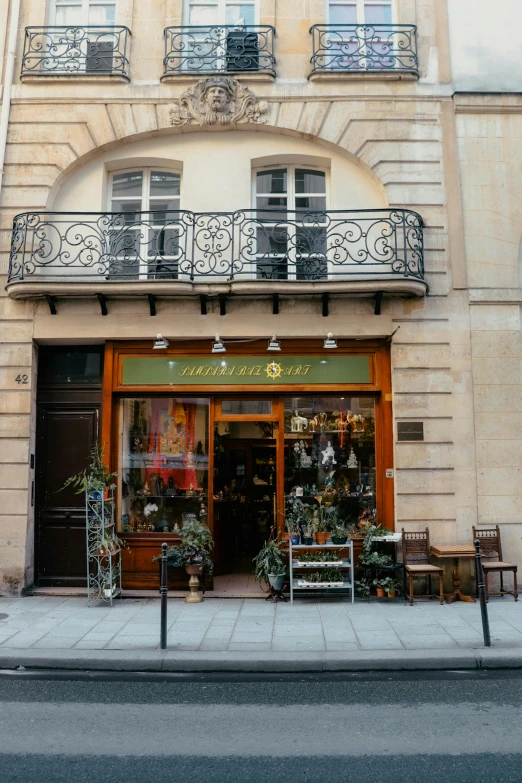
[[290, 211], [145, 206]]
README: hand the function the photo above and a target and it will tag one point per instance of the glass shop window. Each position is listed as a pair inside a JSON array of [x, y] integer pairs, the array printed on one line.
[[164, 463], [330, 455]]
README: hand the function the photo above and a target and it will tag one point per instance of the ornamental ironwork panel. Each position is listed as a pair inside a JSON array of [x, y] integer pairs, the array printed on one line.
[[219, 49], [269, 244], [76, 51], [366, 47]]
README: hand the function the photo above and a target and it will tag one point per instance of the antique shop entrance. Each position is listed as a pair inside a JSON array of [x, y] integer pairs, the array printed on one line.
[[233, 439]]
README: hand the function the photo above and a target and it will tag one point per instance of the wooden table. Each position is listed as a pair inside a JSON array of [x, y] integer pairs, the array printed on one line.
[[455, 551]]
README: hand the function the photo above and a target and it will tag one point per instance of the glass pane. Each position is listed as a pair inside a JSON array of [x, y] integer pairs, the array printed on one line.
[[127, 184], [272, 205], [68, 14], [311, 203], [271, 181], [163, 210], [307, 181], [164, 463], [343, 14], [203, 14], [377, 14], [102, 14], [240, 14], [330, 463], [257, 407], [128, 208], [162, 183], [66, 365]]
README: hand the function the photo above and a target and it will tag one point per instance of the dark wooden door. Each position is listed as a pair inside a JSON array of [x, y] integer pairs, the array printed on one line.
[[65, 435]]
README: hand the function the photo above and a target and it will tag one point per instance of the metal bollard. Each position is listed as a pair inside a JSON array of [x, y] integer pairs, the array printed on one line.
[[163, 591], [482, 594]]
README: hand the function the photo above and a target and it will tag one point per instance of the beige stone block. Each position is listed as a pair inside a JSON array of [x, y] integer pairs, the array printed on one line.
[[376, 151], [59, 155], [13, 529], [75, 135], [14, 476], [13, 501], [425, 507], [421, 381], [481, 150], [424, 455], [31, 198], [15, 378], [16, 355], [14, 426], [496, 344], [483, 275], [410, 481], [495, 509], [313, 117], [415, 194], [15, 402], [439, 283], [16, 331], [145, 117], [336, 121], [494, 399], [30, 176], [501, 481], [122, 119], [13, 309], [500, 426], [492, 372], [498, 454], [289, 115], [500, 318], [434, 355], [414, 406], [14, 451]]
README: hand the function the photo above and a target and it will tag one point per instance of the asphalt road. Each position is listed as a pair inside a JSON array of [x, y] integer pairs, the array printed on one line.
[[454, 727]]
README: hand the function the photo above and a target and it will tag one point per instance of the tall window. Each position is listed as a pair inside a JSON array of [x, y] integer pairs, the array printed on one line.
[[145, 228], [290, 212], [360, 11], [83, 12], [215, 12]]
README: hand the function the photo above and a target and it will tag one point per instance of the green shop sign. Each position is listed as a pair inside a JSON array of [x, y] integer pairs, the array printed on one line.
[[247, 370]]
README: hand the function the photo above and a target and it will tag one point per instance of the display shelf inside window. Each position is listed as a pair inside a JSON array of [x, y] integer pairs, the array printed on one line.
[[330, 454], [164, 464]]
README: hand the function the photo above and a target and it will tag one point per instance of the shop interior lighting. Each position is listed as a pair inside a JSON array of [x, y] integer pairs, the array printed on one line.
[[160, 343], [274, 344], [218, 346], [330, 341]]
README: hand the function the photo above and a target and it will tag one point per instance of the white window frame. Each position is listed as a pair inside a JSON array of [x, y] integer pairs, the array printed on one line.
[[221, 6], [83, 10], [290, 201], [146, 204], [361, 8]]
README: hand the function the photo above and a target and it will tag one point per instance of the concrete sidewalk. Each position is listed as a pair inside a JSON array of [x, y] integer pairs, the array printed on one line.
[[221, 633]]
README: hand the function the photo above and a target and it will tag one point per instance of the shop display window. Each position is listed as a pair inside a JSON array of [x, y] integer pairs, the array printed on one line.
[[330, 455], [164, 463]]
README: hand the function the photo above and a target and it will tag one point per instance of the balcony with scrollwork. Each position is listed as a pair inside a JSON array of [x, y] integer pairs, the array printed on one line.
[[382, 51], [221, 49], [248, 252], [90, 53]]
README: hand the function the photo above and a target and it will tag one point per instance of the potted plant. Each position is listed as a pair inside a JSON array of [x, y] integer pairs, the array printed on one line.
[[295, 513], [192, 554], [379, 585], [96, 479], [269, 565], [391, 586], [307, 532], [339, 533], [363, 587]]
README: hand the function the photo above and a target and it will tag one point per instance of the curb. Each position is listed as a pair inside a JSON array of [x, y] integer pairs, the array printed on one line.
[[171, 661]]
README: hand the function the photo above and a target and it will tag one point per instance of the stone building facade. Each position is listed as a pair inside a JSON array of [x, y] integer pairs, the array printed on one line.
[[408, 133]]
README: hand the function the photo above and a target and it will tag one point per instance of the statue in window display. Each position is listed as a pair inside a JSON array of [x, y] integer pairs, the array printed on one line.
[[319, 422], [298, 423], [328, 455], [342, 425]]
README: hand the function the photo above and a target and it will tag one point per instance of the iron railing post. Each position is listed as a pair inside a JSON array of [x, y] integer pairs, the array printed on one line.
[[479, 571], [163, 592]]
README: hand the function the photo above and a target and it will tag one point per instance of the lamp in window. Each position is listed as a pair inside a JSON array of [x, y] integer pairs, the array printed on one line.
[[218, 346], [330, 341], [160, 343], [274, 344]]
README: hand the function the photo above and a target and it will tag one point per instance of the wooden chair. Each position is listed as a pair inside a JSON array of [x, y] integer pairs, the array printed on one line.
[[416, 559], [491, 551]]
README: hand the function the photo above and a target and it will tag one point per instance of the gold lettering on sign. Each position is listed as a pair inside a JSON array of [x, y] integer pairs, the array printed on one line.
[[200, 369], [242, 370], [297, 370], [257, 369], [306, 368]]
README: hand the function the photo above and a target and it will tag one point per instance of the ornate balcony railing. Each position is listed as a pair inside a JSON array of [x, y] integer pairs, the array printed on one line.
[[379, 48], [269, 244], [76, 51], [219, 49]]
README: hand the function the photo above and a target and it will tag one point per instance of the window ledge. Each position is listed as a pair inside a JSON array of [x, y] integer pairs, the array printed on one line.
[[382, 76], [85, 78], [179, 288], [184, 77]]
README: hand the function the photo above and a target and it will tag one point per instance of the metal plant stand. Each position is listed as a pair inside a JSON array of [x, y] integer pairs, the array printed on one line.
[[103, 554]]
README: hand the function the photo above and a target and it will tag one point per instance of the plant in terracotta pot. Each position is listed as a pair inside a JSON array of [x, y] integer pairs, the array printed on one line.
[[192, 554], [269, 565], [379, 585], [391, 586]]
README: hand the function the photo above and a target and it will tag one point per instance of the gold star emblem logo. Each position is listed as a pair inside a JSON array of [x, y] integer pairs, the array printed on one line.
[[273, 370]]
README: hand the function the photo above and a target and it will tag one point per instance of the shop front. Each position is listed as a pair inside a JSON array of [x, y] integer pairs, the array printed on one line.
[[231, 438]]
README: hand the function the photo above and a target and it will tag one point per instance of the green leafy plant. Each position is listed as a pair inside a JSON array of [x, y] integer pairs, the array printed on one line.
[[95, 477], [390, 585], [295, 514], [363, 587], [325, 575], [196, 544], [375, 559], [269, 561], [318, 557]]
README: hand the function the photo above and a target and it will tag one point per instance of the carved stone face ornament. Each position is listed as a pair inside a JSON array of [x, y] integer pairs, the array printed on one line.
[[217, 100]]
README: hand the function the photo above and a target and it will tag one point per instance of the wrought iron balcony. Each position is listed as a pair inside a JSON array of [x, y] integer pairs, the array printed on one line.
[[381, 49], [219, 49], [76, 51], [255, 246]]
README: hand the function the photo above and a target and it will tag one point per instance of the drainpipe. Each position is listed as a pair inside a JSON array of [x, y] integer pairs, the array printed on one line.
[[8, 82]]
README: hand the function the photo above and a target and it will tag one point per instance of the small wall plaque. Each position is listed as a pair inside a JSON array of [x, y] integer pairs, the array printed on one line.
[[410, 430]]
